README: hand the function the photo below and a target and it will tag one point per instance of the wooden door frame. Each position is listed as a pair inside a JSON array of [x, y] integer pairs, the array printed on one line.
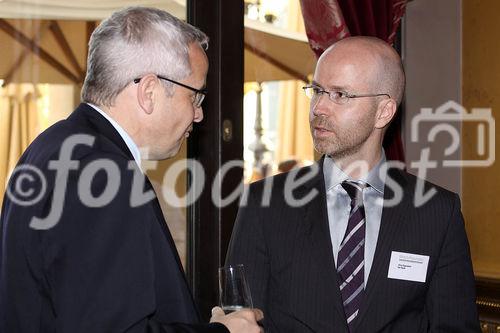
[[209, 227]]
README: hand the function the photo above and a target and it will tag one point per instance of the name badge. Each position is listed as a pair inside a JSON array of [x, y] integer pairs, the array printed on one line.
[[408, 266]]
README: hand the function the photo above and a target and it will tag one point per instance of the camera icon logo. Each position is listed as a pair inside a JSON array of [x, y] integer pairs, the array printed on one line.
[[444, 117]]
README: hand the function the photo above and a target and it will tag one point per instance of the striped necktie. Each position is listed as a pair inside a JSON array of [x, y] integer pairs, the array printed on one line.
[[350, 258]]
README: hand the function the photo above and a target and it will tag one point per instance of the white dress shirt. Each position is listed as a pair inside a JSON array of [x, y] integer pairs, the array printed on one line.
[[338, 205], [128, 140]]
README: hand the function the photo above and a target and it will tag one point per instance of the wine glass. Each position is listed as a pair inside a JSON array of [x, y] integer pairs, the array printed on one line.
[[233, 289]]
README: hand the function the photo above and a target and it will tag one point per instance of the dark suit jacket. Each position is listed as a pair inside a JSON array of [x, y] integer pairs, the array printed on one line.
[[99, 269], [289, 262]]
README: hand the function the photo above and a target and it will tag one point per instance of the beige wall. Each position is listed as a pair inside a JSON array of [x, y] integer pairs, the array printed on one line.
[[481, 88], [432, 58], [25, 111]]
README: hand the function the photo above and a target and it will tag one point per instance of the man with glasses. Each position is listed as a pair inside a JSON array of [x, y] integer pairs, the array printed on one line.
[[198, 97], [345, 245], [93, 253]]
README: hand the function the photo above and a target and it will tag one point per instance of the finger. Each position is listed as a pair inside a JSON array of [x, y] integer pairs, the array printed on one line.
[[217, 312]]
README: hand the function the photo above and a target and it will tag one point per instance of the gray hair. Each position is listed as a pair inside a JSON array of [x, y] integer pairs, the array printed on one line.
[[134, 42]]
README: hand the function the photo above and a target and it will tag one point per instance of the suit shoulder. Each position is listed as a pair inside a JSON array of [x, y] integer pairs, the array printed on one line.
[[431, 200], [47, 145], [81, 142], [441, 192]]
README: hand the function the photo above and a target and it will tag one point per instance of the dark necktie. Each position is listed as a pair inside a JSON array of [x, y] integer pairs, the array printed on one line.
[[350, 258]]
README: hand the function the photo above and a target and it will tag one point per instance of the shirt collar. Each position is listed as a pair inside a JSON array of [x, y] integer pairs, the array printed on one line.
[[128, 140], [334, 175]]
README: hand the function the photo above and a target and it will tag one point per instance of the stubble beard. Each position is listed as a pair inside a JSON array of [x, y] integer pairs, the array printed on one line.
[[341, 143]]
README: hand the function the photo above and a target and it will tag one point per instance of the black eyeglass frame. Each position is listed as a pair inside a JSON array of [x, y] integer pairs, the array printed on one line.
[[347, 94], [199, 92]]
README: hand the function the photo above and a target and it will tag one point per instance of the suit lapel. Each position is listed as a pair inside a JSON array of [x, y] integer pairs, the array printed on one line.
[[316, 229], [88, 117], [102, 126], [177, 271], [163, 224], [391, 222]]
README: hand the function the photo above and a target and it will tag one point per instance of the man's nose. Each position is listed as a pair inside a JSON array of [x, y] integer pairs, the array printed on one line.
[[320, 105]]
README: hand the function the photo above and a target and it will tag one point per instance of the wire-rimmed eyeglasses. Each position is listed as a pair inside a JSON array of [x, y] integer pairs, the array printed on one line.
[[336, 96], [199, 94]]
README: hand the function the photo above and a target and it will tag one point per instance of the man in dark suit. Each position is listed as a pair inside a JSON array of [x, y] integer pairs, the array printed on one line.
[[349, 244], [90, 251]]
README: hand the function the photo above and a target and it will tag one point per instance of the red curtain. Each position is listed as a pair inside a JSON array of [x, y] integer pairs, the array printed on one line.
[[328, 21]]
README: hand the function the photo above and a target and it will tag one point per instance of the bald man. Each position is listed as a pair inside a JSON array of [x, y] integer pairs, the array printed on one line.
[[348, 244]]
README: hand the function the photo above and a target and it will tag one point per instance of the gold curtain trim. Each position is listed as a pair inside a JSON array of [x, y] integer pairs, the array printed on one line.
[[488, 303]]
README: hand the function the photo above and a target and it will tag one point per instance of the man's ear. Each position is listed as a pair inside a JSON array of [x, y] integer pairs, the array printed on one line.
[[385, 113], [145, 93]]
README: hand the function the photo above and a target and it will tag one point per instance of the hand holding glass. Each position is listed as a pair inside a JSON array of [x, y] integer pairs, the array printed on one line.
[[233, 289]]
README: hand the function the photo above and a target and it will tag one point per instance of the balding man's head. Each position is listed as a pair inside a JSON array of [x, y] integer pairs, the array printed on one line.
[[358, 75], [383, 65]]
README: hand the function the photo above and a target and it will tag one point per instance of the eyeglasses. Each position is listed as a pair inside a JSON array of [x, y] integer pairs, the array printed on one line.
[[337, 96], [199, 95]]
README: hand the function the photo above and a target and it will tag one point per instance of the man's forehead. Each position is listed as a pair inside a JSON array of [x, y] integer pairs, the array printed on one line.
[[332, 86], [341, 69], [198, 59], [345, 74]]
